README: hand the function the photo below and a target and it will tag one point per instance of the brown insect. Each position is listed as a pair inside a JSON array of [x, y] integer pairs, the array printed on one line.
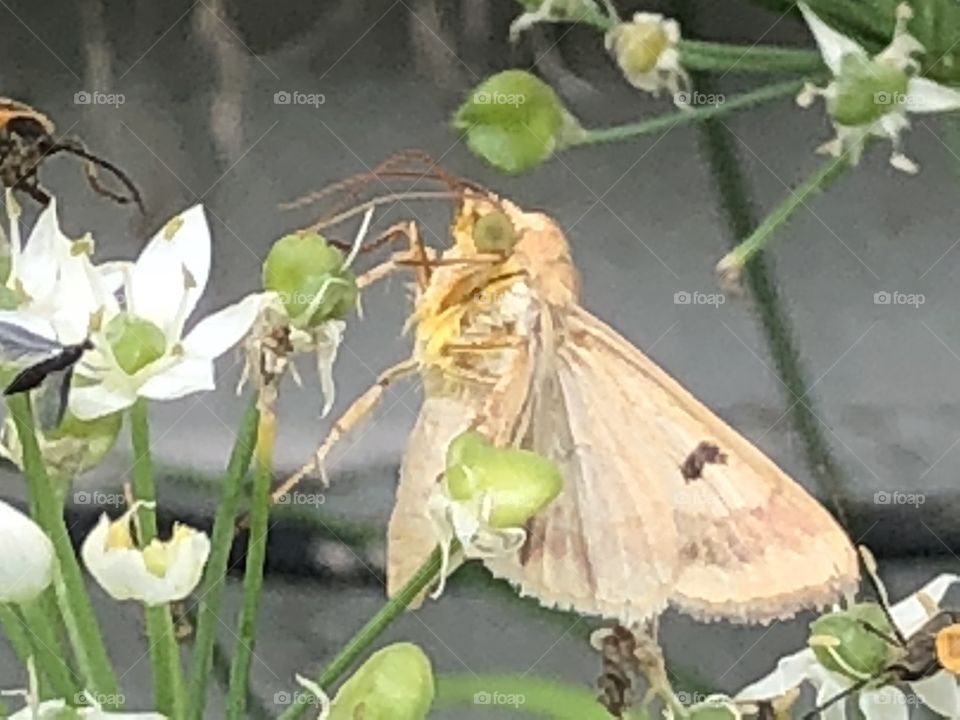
[[27, 139], [706, 453]]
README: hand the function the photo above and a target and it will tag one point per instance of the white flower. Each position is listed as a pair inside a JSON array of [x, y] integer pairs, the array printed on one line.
[[646, 51], [940, 692], [140, 350], [27, 566], [871, 96], [162, 572]]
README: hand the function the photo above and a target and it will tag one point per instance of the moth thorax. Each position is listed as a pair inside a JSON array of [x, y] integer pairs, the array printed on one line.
[[505, 307], [948, 648]]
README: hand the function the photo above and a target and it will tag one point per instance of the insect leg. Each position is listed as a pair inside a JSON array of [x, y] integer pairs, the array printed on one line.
[[842, 695], [347, 422], [29, 184]]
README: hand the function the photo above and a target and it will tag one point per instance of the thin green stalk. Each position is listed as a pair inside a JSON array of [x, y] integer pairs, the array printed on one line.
[[361, 641], [16, 632], [168, 685], [214, 575], [49, 656], [723, 58], [685, 117], [735, 201], [72, 599], [828, 173], [253, 573]]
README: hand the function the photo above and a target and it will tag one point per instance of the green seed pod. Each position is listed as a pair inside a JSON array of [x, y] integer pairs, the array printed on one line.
[[494, 232], [135, 342], [309, 276], [519, 482], [866, 90], [395, 683], [843, 645]]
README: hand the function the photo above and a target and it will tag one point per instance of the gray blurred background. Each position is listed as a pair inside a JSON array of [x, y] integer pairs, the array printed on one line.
[[645, 219]]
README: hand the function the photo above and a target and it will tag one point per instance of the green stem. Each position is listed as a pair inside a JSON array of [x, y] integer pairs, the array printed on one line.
[[723, 58], [50, 658], [72, 599], [685, 117], [16, 632], [361, 641], [829, 172], [735, 201], [253, 572], [214, 575], [168, 688]]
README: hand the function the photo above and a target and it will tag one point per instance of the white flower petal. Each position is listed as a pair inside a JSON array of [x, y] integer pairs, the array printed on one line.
[[910, 615], [93, 401], [189, 375], [886, 703], [27, 567], [927, 96], [833, 45], [77, 300], [123, 574], [157, 281], [829, 688], [38, 263], [30, 322], [217, 333], [939, 693], [791, 671]]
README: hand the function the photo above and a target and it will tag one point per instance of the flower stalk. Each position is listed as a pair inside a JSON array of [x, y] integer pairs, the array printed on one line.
[[168, 685], [72, 599]]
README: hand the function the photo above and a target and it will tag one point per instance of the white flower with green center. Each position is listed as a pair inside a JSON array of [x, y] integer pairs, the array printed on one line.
[[871, 96], [27, 567], [140, 349], [939, 692], [161, 572], [646, 51]]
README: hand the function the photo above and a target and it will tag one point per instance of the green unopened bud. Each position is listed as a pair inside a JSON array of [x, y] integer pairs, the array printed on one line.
[[519, 483], [494, 232], [865, 90], [135, 342], [842, 643], [310, 278], [396, 683], [515, 121], [637, 45]]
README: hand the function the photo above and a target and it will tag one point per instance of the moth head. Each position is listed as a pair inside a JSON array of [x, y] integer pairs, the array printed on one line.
[[948, 648]]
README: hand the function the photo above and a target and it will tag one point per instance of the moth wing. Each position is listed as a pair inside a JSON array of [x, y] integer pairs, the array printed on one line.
[[753, 544], [25, 340], [410, 535]]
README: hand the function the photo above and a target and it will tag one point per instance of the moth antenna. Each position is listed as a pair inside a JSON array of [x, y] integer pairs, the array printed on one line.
[[74, 147], [842, 695], [869, 627], [869, 563]]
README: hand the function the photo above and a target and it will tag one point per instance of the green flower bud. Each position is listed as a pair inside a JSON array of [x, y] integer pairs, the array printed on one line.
[[9, 300], [309, 276], [494, 232], [395, 683], [843, 645], [519, 482], [866, 90], [515, 121], [135, 342], [637, 46]]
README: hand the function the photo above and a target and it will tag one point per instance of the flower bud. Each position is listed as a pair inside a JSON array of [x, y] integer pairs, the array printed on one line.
[[865, 90], [395, 683], [27, 567], [135, 342], [638, 45], [518, 483], [843, 645], [515, 121], [310, 278]]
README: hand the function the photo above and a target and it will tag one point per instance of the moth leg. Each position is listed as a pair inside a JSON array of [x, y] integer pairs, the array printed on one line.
[[347, 422]]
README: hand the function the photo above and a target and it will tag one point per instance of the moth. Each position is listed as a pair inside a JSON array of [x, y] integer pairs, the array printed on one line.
[[502, 345], [39, 357]]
